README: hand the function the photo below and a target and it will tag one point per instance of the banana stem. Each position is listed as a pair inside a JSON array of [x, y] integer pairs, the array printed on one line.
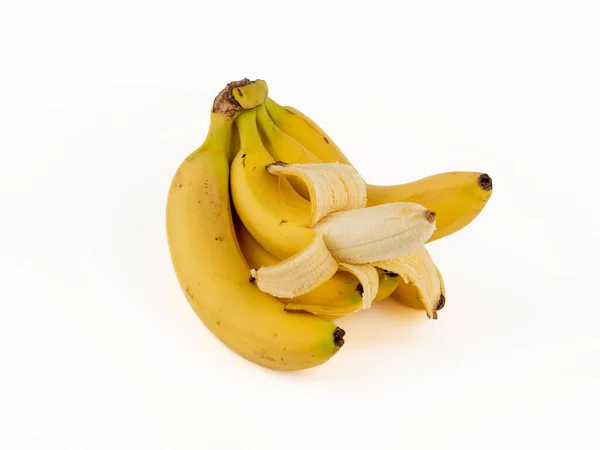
[[240, 95], [219, 134]]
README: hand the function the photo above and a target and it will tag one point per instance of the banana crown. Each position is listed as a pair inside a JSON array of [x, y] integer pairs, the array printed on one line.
[[347, 235]]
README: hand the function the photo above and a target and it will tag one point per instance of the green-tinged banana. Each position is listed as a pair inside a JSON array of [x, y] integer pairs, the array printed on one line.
[[456, 197], [211, 269], [388, 281]]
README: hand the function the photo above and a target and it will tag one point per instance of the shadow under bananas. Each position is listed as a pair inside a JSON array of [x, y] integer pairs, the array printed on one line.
[[385, 321]]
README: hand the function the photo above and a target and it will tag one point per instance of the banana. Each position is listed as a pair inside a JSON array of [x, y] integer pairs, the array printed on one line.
[[268, 206], [211, 269], [306, 132], [353, 240], [298, 275], [456, 197], [341, 291], [366, 235], [332, 187], [283, 148]]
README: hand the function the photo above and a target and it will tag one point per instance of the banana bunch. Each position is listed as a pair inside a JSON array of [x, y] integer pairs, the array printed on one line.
[[273, 233]]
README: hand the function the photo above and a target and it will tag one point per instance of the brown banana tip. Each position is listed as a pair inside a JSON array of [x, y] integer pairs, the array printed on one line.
[[225, 103], [430, 216], [441, 303], [485, 182], [338, 337]]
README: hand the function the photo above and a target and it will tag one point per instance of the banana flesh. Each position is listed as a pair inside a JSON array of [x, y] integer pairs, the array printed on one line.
[[362, 236], [343, 289]]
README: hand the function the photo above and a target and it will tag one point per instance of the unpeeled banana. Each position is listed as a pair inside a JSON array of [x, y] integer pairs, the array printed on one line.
[[308, 240], [212, 271]]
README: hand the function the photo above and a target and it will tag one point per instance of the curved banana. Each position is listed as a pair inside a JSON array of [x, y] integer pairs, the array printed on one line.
[[283, 148], [456, 197], [268, 206], [342, 290], [306, 132], [212, 271], [388, 282]]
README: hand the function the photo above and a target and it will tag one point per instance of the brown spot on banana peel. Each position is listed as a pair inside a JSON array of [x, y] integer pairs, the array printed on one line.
[[485, 182], [338, 337], [360, 289]]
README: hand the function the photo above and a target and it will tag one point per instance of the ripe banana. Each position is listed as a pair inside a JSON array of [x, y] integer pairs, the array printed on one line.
[[306, 132], [456, 197], [268, 206], [283, 148], [388, 282], [342, 290], [210, 267]]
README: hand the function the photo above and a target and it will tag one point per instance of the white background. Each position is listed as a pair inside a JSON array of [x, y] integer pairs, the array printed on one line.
[[100, 101]]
